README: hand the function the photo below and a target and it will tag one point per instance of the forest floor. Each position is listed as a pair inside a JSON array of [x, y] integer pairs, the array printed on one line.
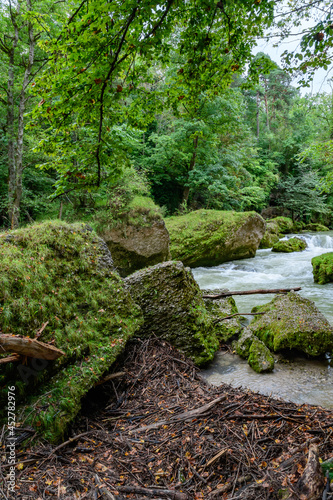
[[159, 431]]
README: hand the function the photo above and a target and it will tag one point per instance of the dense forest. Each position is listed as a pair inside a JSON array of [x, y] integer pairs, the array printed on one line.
[[104, 101]]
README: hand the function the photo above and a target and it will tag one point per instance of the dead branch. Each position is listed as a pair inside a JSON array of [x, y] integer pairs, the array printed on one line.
[[29, 347], [252, 292]]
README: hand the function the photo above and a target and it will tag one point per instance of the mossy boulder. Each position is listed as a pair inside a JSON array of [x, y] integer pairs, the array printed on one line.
[[219, 309], [174, 310], [211, 237], [291, 245], [323, 268], [61, 276], [242, 346], [285, 224], [292, 322], [260, 358], [316, 227], [271, 235], [137, 236]]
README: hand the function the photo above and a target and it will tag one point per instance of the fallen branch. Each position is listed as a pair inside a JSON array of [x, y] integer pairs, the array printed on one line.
[[252, 292], [29, 347], [10, 359], [110, 377], [153, 492], [182, 416], [236, 314]]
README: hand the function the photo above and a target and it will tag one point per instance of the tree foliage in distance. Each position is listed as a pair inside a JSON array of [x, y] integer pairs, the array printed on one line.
[[100, 77]]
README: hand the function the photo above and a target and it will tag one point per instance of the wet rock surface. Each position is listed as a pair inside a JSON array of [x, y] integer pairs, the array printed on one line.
[[174, 310]]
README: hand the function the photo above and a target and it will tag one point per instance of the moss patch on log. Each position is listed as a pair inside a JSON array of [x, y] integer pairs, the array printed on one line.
[[323, 268], [61, 274], [211, 237], [291, 245]]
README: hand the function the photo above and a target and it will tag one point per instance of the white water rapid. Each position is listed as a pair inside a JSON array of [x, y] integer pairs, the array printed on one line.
[[302, 381]]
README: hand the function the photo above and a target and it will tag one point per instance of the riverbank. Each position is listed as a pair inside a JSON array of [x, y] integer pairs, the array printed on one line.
[[159, 431]]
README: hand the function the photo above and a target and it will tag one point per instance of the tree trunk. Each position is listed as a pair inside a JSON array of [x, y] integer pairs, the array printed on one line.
[[186, 190], [15, 148], [258, 109]]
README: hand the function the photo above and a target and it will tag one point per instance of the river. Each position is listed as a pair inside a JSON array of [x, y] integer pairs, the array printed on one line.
[[303, 380]]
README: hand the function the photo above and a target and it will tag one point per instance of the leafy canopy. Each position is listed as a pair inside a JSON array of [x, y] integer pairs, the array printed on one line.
[[100, 74]]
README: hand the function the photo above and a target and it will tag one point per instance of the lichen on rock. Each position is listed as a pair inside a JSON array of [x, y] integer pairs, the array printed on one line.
[[323, 268], [292, 322], [225, 330], [290, 245], [174, 310], [61, 274], [211, 237]]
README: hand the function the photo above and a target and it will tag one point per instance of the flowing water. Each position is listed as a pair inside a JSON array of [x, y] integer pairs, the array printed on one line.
[[302, 380]]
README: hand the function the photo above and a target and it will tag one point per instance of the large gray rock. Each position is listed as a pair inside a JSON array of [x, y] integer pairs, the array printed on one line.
[[210, 237], [292, 322], [134, 247], [173, 309]]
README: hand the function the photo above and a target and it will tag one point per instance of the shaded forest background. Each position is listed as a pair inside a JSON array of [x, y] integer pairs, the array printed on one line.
[[96, 110]]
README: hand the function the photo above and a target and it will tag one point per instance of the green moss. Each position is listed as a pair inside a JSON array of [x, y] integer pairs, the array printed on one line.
[[260, 358], [61, 274], [316, 227], [271, 235], [323, 268], [207, 237], [174, 310], [243, 345], [220, 308], [292, 322], [285, 224], [291, 245]]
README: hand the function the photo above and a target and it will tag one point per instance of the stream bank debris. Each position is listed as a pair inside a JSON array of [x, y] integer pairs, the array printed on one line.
[[159, 431]]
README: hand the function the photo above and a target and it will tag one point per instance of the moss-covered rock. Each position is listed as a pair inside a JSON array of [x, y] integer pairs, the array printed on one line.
[[219, 309], [210, 237], [242, 346], [61, 274], [136, 236], [260, 358], [271, 235], [323, 268], [316, 227], [291, 245], [292, 322], [285, 224], [174, 310]]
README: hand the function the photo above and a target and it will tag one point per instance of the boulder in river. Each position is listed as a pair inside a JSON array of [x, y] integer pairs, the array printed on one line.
[[58, 284], [291, 245], [271, 235], [225, 329], [292, 322], [211, 237], [260, 358], [174, 310], [323, 268], [314, 226], [285, 224], [137, 237]]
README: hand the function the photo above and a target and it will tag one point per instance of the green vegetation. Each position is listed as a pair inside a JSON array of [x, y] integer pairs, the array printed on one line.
[[323, 268], [61, 274], [260, 358], [210, 237], [291, 245]]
